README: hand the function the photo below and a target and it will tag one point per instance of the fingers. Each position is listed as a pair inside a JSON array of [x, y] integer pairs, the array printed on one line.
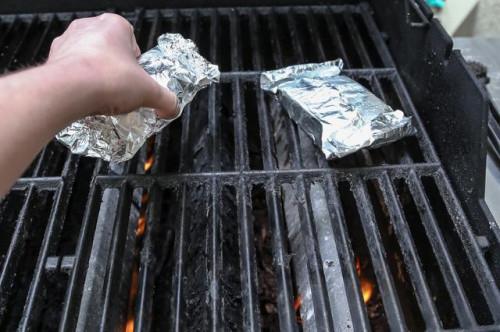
[[161, 99]]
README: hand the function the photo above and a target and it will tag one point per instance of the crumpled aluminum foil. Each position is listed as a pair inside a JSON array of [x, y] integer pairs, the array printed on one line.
[[174, 63], [339, 114]]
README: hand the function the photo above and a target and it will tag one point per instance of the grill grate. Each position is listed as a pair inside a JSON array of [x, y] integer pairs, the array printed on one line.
[[242, 171]]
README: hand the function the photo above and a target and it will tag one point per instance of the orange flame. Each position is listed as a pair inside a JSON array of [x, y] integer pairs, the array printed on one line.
[[296, 306], [297, 303], [366, 289], [366, 285], [149, 163], [144, 198], [141, 226], [130, 325]]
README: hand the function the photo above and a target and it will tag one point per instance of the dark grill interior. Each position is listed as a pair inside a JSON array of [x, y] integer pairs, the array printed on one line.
[[243, 214]]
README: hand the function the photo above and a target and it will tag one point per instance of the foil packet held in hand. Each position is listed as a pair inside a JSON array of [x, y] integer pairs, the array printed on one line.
[[339, 114], [174, 63]]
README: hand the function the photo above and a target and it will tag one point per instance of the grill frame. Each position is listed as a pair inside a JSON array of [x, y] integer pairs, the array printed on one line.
[[244, 178]]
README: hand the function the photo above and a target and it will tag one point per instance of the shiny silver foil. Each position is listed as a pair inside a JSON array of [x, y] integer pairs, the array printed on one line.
[[339, 114], [174, 63]]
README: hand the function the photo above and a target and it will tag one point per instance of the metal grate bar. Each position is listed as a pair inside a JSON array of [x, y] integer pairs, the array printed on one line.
[[235, 42], [144, 302], [294, 139], [43, 39], [248, 262], [379, 42], [358, 41], [266, 138], [213, 114], [318, 288], [286, 313], [281, 260], [41, 161], [335, 36], [195, 17], [184, 156], [21, 40], [40, 183], [273, 27], [297, 161], [378, 88], [108, 319], [448, 271], [328, 247], [313, 30], [292, 28], [214, 30], [374, 242], [155, 29], [410, 255], [68, 319], [357, 307], [175, 20], [215, 255], [15, 251], [261, 176], [240, 129], [179, 264], [138, 21], [474, 254], [51, 236], [254, 39], [8, 31]]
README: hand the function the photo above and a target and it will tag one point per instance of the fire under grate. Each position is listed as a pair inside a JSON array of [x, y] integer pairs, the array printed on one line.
[[230, 218]]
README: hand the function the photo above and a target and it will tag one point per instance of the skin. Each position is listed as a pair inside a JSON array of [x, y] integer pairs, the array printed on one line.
[[91, 69]]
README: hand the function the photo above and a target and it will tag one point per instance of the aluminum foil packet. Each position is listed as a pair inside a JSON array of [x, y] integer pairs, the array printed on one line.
[[339, 114], [174, 63]]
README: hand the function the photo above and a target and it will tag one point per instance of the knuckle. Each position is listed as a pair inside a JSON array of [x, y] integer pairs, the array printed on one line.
[[107, 16], [56, 41], [75, 23], [114, 18]]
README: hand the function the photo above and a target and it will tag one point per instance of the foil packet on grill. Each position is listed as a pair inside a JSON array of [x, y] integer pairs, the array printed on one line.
[[339, 114], [174, 63]]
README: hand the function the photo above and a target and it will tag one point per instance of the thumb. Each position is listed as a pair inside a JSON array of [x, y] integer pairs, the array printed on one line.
[[160, 98]]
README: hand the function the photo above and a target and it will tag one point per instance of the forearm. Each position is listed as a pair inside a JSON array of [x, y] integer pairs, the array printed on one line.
[[36, 104]]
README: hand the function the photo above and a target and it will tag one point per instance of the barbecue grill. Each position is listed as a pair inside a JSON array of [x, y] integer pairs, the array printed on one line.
[[231, 219]]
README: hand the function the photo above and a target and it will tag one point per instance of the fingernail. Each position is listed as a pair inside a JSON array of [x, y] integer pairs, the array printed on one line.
[[167, 116]]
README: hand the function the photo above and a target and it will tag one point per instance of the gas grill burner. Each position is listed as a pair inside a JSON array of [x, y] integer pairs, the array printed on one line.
[[231, 219]]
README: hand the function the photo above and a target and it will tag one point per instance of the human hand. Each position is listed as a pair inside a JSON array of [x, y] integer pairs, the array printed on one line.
[[103, 52]]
